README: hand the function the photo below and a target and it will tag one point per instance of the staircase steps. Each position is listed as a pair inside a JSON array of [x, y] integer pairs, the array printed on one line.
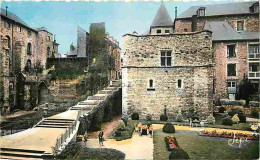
[[97, 98], [55, 123], [12, 153]]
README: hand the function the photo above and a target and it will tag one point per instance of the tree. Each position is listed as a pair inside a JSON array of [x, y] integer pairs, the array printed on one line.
[[245, 90]]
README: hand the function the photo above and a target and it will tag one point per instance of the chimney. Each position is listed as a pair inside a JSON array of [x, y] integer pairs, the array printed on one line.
[[175, 12], [6, 10]]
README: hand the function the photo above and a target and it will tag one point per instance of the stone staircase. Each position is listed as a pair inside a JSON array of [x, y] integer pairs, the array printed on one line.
[[11, 153], [66, 122], [55, 123]]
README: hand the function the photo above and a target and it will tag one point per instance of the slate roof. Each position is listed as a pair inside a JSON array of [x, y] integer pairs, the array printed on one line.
[[222, 31], [162, 18], [220, 9], [42, 29], [15, 18]]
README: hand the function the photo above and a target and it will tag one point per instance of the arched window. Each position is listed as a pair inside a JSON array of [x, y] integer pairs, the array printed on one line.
[[28, 64], [48, 52], [29, 48], [8, 41]]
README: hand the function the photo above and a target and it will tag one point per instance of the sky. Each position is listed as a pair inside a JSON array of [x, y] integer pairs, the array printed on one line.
[[63, 18]]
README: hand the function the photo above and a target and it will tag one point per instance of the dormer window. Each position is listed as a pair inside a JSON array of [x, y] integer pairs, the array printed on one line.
[[240, 25], [158, 31], [255, 8], [201, 12]]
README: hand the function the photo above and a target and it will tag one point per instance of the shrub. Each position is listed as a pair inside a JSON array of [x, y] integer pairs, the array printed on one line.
[[125, 134], [237, 110], [168, 128], [254, 111], [100, 153], [231, 114], [118, 133], [135, 116], [70, 150], [227, 121], [163, 118], [235, 118], [178, 154], [242, 118], [232, 102], [125, 119], [210, 119], [254, 104], [179, 118], [148, 117], [222, 110], [121, 125]]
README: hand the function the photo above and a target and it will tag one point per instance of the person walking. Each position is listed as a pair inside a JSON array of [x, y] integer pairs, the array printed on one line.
[[85, 138], [100, 138]]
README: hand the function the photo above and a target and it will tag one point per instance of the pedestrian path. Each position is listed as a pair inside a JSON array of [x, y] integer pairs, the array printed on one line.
[[135, 148]]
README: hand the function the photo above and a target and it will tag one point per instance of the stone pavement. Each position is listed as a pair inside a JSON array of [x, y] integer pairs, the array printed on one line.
[[135, 148]]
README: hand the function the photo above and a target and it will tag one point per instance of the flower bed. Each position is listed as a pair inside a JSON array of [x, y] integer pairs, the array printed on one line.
[[229, 135], [171, 143]]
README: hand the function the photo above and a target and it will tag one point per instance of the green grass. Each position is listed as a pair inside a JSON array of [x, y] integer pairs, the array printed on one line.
[[203, 147]]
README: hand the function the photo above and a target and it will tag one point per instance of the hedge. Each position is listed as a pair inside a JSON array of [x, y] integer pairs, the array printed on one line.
[[232, 102], [254, 104]]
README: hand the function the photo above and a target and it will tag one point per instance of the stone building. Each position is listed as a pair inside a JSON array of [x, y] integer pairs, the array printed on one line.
[[165, 71], [23, 49], [235, 39], [115, 51]]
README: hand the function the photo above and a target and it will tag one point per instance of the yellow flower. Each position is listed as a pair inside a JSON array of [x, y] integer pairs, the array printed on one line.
[[94, 60]]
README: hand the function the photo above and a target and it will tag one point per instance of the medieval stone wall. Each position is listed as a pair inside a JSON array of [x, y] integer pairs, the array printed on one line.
[[79, 63], [182, 25], [251, 22], [191, 63]]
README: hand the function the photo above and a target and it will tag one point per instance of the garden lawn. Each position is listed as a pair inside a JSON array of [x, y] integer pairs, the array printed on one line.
[[199, 147]]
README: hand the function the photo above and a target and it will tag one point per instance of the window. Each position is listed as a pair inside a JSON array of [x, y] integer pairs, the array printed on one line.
[[254, 51], [159, 31], [29, 48], [231, 69], [179, 85], [185, 30], [48, 38], [231, 51], [167, 31], [256, 8], [254, 67], [231, 86], [48, 52], [253, 48], [8, 42], [240, 25], [29, 33], [166, 58], [28, 65], [151, 86], [7, 25], [19, 29], [150, 83], [201, 12]]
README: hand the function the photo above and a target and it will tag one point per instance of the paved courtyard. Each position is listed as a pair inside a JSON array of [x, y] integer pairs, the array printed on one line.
[[135, 148]]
